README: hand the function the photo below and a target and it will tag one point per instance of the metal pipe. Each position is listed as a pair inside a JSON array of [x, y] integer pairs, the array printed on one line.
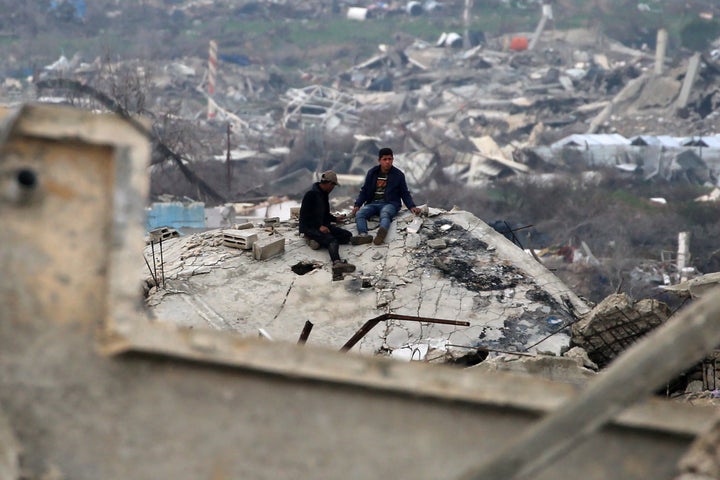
[[152, 249], [485, 349], [305, 332], [367, 326], [151, 272], [162, 263]]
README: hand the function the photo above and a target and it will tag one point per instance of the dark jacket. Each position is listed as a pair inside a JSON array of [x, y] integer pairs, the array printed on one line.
[[395, 190], [315, 210]]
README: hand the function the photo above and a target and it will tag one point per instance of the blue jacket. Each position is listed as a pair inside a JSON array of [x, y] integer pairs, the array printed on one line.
[[395, 190]]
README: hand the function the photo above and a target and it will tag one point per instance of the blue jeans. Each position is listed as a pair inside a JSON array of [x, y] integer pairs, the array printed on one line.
[[386, 211]]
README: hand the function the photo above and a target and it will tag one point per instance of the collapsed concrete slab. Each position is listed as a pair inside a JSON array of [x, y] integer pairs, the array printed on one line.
[[559, 369], [616, 323], [510, 300]]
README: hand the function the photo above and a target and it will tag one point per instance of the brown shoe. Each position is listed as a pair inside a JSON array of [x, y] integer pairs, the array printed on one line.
[[361, 239], [341, 266], [380, 236]]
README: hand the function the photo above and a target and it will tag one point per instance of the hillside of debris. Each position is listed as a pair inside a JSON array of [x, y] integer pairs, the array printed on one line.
[[587, 148]]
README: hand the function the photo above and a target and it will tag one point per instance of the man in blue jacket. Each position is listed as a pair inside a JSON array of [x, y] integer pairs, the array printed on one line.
[[316, 222], [381, 193]]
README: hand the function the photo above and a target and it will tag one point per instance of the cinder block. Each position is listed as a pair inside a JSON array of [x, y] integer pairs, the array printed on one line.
[[162, 233], [295, 213], [243, 226], [272, 222], [239, 239], [268, 247]]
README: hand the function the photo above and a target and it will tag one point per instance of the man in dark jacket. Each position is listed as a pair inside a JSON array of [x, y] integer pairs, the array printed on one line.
[[316, 222], [381, 193]]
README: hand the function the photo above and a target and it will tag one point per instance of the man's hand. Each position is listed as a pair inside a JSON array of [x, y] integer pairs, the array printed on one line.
[[416, 210], [324, 229], [354, 210]]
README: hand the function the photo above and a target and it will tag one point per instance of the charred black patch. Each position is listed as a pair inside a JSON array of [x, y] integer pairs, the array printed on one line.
[[469, 243], [497, 277], [455, 235], [518, 331], [536, 294], [303, 267], [470, 359]]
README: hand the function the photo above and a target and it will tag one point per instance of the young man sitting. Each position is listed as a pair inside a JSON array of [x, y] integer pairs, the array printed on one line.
[[381, 193], [316, 222]]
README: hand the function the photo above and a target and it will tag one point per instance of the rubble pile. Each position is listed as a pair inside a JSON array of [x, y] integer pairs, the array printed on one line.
[[446, 287], [474, 114], [509, 301]]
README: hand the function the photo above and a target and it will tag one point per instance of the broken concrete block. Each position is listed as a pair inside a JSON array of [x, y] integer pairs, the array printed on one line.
[[437, 243], [268, 247], [243, 226], [162, 233], [295, 213], [239, 239], [413, 240], [272, 222], [616, 323], [558, 369], [415, 225]]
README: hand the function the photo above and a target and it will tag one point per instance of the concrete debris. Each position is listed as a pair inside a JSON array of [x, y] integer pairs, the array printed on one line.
[[143, 366], [242, 240], [561, 102], [582, 358], [321, 105], [511, 301], [616, 323], [695, 287], [513, 106], [157, 235], [558, 369]]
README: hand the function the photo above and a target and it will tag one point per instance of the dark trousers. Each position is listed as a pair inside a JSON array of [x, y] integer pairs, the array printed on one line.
[[332, 241]]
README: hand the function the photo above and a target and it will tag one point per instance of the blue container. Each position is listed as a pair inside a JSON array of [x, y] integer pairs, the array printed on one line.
[[176, 215]]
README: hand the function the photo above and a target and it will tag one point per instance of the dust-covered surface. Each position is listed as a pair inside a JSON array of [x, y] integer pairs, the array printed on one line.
[[509, 299]]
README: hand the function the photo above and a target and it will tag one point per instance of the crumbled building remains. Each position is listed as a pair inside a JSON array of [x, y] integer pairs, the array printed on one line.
[[511, 301], [446, 288], [574, 84], [616, 323]]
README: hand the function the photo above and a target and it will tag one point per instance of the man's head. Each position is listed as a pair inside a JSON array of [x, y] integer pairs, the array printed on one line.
[[328, 180], [385, 158]]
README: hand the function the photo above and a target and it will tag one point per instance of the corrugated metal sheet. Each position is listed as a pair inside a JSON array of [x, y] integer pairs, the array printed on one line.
[[656, 140], [712, 141], [592, 140]]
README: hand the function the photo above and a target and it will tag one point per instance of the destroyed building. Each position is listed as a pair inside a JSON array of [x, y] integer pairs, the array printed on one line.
[[79, 351], [450, 266], [448, 290]]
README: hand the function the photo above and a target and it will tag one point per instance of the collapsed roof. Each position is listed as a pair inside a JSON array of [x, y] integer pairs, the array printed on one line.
[[452, 267]]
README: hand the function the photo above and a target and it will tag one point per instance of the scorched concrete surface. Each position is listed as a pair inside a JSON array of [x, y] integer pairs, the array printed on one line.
[[454, 267]]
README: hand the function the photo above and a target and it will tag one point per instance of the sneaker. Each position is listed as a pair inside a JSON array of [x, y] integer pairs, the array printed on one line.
[[380, 237], [341, 266], [361, 239], [312, 243]]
